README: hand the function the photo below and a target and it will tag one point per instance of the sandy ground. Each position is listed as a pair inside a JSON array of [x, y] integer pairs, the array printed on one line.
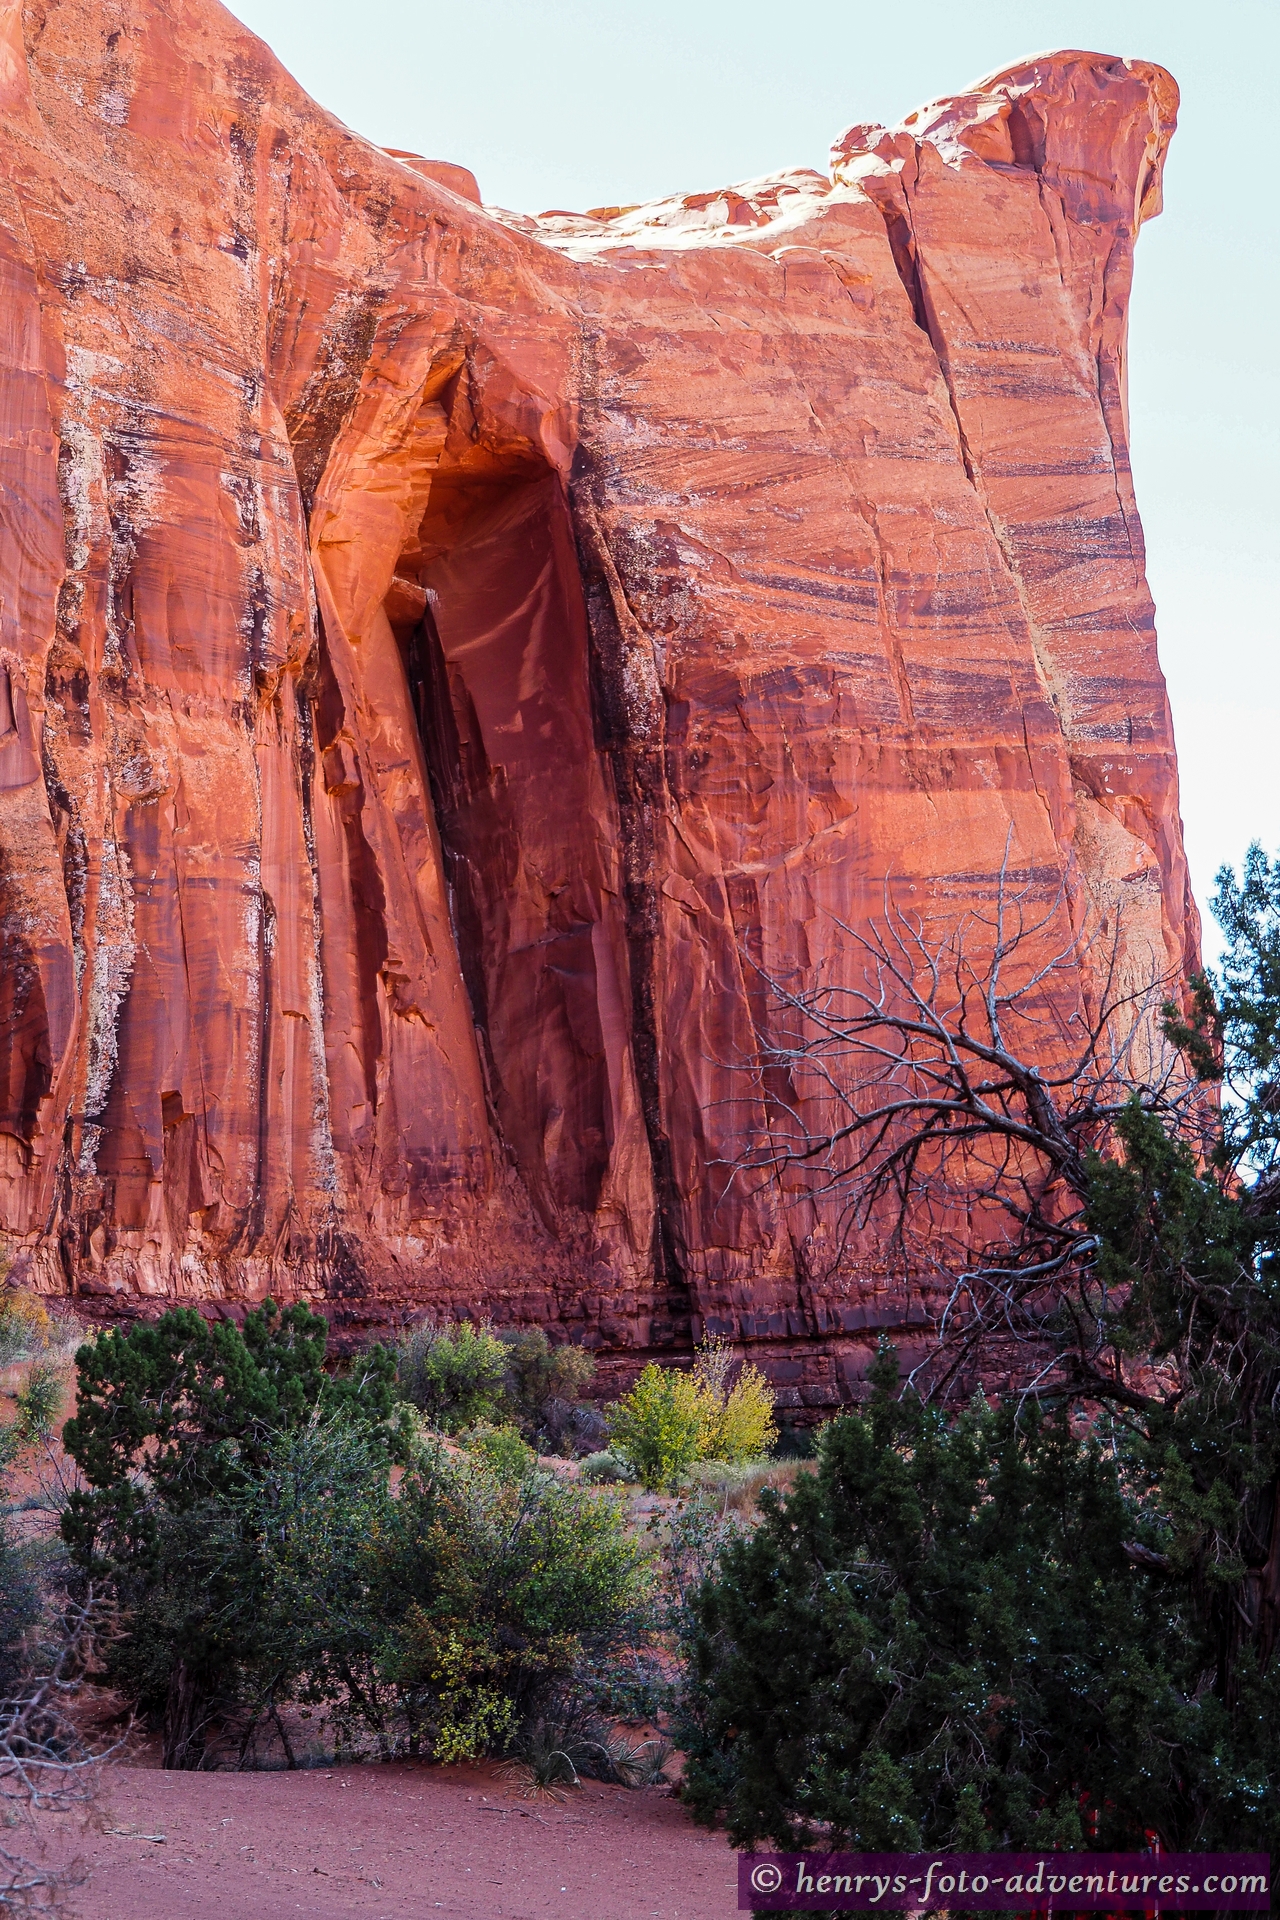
[[387, 1842]]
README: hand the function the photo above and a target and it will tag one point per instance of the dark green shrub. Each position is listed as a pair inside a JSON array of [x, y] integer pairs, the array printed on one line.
[[502, 1449], [453, 1373], [996, 1629], [508, 1588], [199, 1400], [175, 1422], [321, 1515], [20, 1607], [435, 1618], [545, 1385], [240, 1513], [942, 1639]]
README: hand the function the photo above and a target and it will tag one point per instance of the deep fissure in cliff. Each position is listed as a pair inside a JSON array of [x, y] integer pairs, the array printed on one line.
[[637, 768]]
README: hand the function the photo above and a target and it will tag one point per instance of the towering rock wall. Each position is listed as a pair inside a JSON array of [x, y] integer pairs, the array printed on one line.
[[448, 658]]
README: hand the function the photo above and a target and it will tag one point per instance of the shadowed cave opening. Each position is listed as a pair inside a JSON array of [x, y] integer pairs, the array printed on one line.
[[486, 606]]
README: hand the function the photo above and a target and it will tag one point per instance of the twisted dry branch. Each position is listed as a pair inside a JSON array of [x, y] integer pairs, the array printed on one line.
[[46, 1765], [950, 1101]]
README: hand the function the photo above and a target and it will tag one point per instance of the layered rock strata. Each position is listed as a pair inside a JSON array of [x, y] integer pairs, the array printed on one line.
[[448, 658]]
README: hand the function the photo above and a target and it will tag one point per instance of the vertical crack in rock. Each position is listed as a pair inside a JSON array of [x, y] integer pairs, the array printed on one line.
[[24, 1016], [317, 416], [266, 931], [344, 782], [630, 718], [1109, 374], [902, 245], [114, 954], [64, 812], [321, 1117], [900, 228]]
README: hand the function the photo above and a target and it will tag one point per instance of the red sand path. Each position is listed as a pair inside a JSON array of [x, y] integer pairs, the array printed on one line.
[[387, 1842]]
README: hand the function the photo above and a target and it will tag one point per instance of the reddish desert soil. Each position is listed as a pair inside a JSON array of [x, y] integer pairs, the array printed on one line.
[[387, 1842]]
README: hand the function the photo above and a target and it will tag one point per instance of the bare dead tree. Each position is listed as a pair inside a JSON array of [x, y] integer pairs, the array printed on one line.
[[950, 1103], [1015, 1109], [46, 1764]]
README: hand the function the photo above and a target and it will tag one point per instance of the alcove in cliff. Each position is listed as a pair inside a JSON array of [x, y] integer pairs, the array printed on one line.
[[487, 609]]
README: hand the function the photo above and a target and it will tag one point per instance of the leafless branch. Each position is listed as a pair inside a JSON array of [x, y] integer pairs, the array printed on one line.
[[46, 1764], [946, 1098]]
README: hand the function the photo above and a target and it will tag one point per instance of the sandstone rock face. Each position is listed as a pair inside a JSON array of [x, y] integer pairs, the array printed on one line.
[[444, 653]]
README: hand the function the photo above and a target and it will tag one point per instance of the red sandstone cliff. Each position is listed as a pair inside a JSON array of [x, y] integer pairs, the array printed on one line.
[[437, 644]]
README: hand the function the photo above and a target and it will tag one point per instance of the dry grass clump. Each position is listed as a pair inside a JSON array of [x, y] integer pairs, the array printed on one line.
[[36, 1352], [563, 1748], [735, 1485], [27, 1330]]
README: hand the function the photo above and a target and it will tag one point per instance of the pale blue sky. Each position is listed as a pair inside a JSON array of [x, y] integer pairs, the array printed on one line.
[[574, 105]]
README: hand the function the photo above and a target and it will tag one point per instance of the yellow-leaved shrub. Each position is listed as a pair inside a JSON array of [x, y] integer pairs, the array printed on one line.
[[744, 1426], [672, 1418]]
